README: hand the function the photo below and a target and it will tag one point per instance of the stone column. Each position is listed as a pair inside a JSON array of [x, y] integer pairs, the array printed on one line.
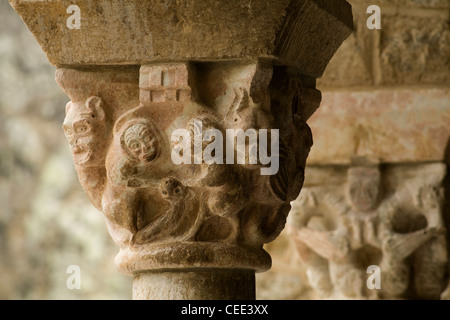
[[187, 125]]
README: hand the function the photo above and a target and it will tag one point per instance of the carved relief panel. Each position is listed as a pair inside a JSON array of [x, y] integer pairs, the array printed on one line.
[[348, 219]]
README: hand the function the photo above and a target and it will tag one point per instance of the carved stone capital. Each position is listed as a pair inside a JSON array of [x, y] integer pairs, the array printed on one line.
[[196, 214], [350, 219], [187, 124]]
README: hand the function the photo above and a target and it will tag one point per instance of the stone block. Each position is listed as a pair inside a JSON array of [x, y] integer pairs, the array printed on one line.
[[412, 47], [426, 4], [415, 50], [405, 125], [141, 31]]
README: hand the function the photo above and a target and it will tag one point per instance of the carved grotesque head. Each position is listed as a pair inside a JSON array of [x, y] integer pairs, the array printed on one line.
[[85, 129], [364, 188], [140, 141], [172, 189]]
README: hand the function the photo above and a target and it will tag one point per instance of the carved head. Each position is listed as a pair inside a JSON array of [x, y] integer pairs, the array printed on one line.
[[198, 126], [173, 190], [140, 141], [85, 129], [364, 188]]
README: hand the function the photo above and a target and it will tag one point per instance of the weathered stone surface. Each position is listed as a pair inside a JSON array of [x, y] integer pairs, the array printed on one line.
[[428, 4], [349, 219], [415, 50], [184, 285], [412, 47], [46, 220], [296, 47], [154, 145], [405, 125], [140, 32], [351, 66], [287, 279], [203, 215]]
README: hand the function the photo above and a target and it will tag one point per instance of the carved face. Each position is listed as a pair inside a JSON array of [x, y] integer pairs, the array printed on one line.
[[141, 142], [85, 129], [198, 126], [172, 189], [364, 188]]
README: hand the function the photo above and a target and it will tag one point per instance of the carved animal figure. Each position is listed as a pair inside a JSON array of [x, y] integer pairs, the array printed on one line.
[[180, 221]]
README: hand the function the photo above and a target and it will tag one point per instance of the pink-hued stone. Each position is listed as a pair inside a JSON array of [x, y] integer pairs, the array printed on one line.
[[387, 125]]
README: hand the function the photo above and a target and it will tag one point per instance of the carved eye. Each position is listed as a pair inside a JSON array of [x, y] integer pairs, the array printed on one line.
[[147, 139], [164, 193], [177, 190], [82, 129], [134, 146], [69, 132]]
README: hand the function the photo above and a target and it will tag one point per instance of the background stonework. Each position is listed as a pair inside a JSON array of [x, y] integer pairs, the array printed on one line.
[[377, 73], [46, 220], [412, 48]]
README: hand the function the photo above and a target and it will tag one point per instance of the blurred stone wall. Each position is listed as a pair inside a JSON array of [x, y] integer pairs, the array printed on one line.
[[389, 83], [46, 221]]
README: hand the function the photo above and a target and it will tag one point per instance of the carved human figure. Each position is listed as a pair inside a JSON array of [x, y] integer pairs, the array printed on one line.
[[419, 246], [330, 253], [269, 206], [431, 261], [391, 233], [138, 148], [148, 197], [306, 216], [224, 191], [131, 186], [352, 229]]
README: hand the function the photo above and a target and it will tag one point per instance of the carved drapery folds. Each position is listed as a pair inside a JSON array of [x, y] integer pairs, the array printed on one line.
[[198, 213], [390, 216]]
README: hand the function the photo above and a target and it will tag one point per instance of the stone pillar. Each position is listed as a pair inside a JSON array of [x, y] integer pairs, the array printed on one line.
[[187, 125]]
